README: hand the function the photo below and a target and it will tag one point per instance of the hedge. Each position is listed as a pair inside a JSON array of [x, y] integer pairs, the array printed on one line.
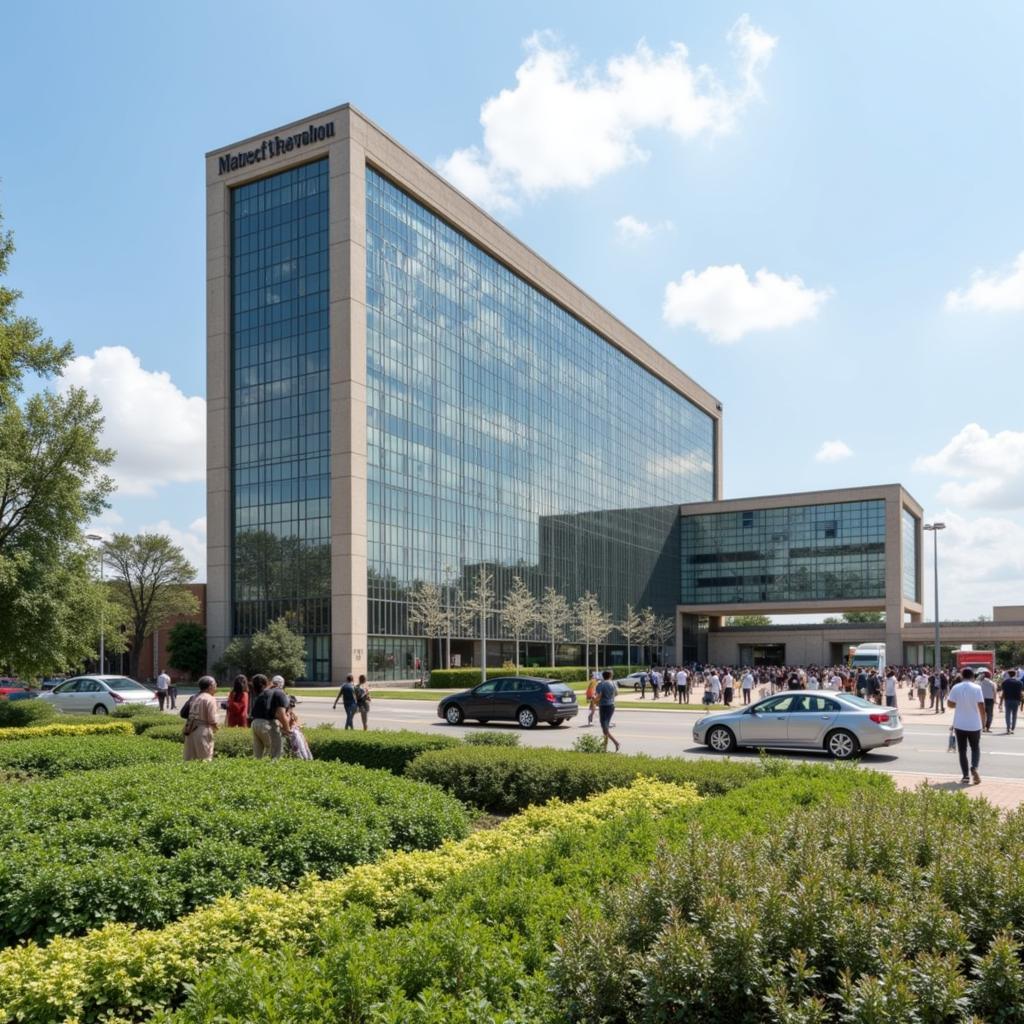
[[149, 843], [505, 779], [26, 712], [65, 728], [50, 756], [118, 970], [464, 678], [142, 718], [233, 742]]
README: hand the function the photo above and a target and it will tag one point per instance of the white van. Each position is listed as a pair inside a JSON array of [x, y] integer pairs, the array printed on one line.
[[868, 656]]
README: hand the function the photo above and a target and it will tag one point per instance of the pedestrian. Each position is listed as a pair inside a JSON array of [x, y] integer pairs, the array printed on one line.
[[1012, 690], [747, 685], [968, 706], [172, 693], [890, 688], [363, 699], [921, 682], [988, 691], [682, 686], [728, 683], [655, 683], [297, 742], [347, 696], [201, 723], [713, 689], [269, 719], [645, 679], [163, 681], [238, 703], [591, 699], [606, 693]]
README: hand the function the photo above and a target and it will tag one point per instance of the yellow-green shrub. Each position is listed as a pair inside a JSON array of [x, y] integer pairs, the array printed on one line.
[[68, 729], [126, 974]]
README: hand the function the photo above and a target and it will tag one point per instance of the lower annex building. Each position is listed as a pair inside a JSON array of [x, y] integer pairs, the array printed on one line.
[[399, 391]]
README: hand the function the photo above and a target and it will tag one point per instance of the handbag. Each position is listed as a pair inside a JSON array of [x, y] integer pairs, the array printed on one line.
[[952, 740]]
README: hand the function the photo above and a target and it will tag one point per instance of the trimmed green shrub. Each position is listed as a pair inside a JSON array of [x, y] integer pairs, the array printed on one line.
[[479, 738], [51, 756], [506, 780], [233, 742], [22, 713], [66, 726], [142, 718], [375, 748], [149, 843], [588, 743]]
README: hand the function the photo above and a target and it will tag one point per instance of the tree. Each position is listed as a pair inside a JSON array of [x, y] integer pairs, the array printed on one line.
[[645, 634], [478, 606], [148, 576], [427, 610], [280, 650], [238, 657], [186, 648], [554, 614], [831, 620], [864, 617], [594, 624], [519, 612], [630, 627], [1010, 654], [52, 482], [663, 631], [748, 620]]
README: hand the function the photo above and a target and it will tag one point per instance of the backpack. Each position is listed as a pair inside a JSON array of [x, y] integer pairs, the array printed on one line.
[[185, 708]]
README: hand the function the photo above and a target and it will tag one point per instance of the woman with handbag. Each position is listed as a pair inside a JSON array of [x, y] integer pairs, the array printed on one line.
[[201, 723]]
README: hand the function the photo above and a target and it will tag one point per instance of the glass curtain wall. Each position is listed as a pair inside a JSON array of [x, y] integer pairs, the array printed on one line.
[[280, 442], [490, 408], [911, 555]]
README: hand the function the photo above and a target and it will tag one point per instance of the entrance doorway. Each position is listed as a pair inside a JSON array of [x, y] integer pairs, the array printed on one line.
[[757, 655]]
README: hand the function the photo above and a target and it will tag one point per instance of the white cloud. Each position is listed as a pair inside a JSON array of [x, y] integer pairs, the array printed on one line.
[[630, 229], [565, 127], [158, 432], [725, 303], [991, 293], [987, 470], [192, 540], [833, 451], [676, 466]]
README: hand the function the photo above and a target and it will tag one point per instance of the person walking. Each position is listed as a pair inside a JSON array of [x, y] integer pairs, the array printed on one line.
[[347, 696], [269, 719], [682, 687], [968, 706], [591, 698], [172, 693], [1012, 691], [363, 699], [238, 703], [163, 681], [747, 685], [201, 723], [921, 682], [606, 692], [890, 688], [988, 691], [728, 684]]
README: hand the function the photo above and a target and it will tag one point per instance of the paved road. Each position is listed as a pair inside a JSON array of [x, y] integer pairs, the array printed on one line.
[[923, 750]]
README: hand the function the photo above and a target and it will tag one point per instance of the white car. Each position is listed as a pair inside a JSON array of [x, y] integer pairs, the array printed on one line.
[[98, 695]]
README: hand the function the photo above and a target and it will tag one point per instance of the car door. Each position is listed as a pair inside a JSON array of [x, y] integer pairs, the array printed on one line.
[[65, 695], [767, 724], [811, 717], [511, 693], [90, 693], [479, 703]]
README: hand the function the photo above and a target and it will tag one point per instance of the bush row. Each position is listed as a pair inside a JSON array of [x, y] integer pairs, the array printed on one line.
[[150, 842], [50, 756], [504, 780], [19, 713], [463, 678], [142, 718], [64, 728], [131, 974], [482, 947]]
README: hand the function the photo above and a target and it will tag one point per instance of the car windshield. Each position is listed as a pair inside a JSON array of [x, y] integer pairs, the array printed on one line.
[[123, 683]]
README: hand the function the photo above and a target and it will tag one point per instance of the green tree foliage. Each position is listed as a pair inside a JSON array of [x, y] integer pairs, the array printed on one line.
[[276, 650], [148, 573], [186, 648], [748, 620], [863, 616], [1010, 654], [52, 482]]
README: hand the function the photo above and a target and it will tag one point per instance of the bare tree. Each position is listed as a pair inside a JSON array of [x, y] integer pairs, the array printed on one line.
[[479, 605], [554, 614], [664, 631], [427, 611], [594, 624], [630, 627], [519, 612], [645, 632]]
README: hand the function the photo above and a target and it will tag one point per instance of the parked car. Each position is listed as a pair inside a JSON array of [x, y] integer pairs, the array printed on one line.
[[841, 724], [634, 679], [521, 699], [98, 695]]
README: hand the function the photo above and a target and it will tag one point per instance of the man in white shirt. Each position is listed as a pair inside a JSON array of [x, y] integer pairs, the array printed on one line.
[[988, 692], [714, 688], [968, 704], [812, 682], [727, 687], [163, 684], [682, 687], [747, 685], [921, 682], [836, 682], [890, 689]]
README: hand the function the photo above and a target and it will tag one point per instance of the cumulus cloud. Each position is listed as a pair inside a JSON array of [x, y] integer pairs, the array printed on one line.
[[674, 466], [991, 293], [985, 470], [833, 451], [566, 127], [725, 303], [631, 229], [192, 540], [159, 433]]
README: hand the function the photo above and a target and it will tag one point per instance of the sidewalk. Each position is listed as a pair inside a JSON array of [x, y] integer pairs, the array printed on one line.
[[1006, 794]]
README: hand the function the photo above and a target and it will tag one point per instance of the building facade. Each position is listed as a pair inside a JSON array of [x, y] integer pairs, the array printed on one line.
[[401, 392]]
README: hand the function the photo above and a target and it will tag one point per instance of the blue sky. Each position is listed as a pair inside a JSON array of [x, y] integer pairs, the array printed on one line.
[[865, 157]]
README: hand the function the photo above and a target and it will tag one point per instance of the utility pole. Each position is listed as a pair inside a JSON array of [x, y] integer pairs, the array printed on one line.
[[97, 537], [934, 528]]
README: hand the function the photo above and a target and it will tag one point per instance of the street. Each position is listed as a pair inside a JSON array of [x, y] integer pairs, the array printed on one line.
[[922, 752]]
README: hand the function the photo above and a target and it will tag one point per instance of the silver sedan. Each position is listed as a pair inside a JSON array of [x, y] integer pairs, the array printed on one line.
[[839, 723]]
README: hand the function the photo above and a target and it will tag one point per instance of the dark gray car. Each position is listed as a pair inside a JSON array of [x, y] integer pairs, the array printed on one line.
[[521, 699]]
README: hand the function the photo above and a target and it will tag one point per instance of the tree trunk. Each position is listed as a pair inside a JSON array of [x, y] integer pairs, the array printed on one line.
[[517, 654], [135, 656]]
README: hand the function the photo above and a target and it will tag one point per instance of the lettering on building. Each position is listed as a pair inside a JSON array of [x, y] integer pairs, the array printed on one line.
[[275, 147]]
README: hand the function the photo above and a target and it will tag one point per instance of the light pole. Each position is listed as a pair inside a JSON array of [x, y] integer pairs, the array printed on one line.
[[448, 571], [97, 537], [934, 529]]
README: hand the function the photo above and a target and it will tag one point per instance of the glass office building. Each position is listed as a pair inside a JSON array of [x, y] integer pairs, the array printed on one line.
[[798, 554], [910, 532]]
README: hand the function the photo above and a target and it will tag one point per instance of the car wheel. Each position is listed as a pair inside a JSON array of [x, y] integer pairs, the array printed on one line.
[[721, 740], [453, 714], [842, 745], [526, 717], [100, 709]]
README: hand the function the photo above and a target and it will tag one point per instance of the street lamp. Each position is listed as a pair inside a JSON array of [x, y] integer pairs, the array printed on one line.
[[97, 537], [934, 528]]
